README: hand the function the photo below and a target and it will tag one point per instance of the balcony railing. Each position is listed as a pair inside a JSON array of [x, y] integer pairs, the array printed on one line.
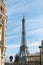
[[3, 14], [1, 43], [1, 23], [1, 2]]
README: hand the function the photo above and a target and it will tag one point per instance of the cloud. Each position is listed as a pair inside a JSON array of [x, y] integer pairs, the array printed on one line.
[[25, 7], [15, 29], [37, 31], [34, 23], [17, 45], [14, 48]]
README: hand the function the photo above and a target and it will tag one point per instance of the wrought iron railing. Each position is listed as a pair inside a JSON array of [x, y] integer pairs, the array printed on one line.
[[1, 43]]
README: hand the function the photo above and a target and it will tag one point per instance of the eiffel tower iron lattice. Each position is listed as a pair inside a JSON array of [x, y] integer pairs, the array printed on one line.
[[23, 48]]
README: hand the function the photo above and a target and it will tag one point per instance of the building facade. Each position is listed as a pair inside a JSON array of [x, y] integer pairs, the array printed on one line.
[[3, 22]]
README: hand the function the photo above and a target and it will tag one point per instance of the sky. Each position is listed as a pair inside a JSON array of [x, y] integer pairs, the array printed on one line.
[[32, 10]]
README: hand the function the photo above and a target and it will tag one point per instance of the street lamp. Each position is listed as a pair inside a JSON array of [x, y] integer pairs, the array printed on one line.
[[40, 54]]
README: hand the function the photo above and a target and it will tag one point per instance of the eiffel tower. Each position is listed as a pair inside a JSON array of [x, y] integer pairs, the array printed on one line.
[[23, 48]]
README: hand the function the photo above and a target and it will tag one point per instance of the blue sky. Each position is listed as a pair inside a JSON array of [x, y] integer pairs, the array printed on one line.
[[33, 13]]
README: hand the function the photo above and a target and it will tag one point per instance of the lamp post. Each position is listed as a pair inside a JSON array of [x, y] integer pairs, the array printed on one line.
[[40, 54]]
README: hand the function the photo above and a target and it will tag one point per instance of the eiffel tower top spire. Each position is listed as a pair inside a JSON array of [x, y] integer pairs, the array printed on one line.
[[23, 32]]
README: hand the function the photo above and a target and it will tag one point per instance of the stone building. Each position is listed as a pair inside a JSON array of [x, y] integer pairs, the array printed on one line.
[[3, 21]]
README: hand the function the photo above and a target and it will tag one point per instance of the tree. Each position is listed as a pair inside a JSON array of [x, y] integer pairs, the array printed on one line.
[[16, 58], [11, 58]]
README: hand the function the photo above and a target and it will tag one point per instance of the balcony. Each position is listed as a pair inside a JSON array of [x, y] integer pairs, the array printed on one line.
[[3, 15], [2, 3], [1, 43], [1, 12], [1, 23]]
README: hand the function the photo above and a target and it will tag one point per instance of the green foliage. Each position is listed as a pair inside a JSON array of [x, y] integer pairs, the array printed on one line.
[[11, 58], [17, 58]]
